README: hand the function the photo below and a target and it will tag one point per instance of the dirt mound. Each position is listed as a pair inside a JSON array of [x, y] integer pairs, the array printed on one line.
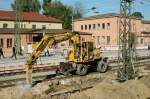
[[129, 90], [17, 92], [146, 80], [103, 88]]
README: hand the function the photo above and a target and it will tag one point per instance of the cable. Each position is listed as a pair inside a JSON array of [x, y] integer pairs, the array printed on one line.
[[142, 1]]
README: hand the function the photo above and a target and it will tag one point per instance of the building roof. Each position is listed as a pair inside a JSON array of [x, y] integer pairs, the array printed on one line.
[[107, 15], [146, 21], [27, 16], [37, 31]]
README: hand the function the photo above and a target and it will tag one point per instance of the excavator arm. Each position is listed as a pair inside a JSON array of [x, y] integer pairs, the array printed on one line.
[[46, 41]]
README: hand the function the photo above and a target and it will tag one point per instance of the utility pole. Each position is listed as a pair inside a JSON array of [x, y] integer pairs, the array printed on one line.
[[17, 29], [72, 23], [126, 45]]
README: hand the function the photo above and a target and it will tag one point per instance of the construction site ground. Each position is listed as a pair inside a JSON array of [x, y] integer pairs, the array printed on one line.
[[92, 86]]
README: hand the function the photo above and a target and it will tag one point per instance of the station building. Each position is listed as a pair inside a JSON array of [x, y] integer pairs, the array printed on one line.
[[105, 30], [32, 27]]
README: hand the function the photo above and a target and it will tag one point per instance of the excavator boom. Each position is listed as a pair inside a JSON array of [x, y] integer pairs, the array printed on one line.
[[46, 41]]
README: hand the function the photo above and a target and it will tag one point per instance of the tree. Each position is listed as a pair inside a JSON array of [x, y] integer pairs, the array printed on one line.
[[45, 6], [26, 5], [77, 10], [63, 12], [138, 15]]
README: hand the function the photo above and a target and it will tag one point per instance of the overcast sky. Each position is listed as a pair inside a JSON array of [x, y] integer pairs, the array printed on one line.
[[103, 6]]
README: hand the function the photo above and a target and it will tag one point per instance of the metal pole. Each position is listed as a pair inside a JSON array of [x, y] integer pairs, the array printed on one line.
[[72, 24], [126, 45], [17, 29]]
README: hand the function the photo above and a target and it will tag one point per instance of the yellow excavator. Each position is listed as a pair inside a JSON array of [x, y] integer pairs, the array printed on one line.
[[82, 57]]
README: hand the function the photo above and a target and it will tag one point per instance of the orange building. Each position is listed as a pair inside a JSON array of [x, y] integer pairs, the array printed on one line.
[[105, 29]]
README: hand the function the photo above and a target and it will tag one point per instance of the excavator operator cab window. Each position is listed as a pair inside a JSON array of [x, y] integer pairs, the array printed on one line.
[[77, 51], [83, 51], [90, 50]]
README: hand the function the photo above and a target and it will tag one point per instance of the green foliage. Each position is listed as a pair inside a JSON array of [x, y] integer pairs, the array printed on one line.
[[63, 12], [77, 10], [26, 5], [138, 15]]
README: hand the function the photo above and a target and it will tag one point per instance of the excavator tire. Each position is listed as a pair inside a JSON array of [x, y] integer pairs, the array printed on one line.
[[81, 69], [102, 66], [65, 68]]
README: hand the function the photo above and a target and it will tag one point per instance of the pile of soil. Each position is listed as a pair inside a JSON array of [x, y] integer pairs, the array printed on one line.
[[104, 88], [45, 88], [133, 89], [16, 92], [146, 80]]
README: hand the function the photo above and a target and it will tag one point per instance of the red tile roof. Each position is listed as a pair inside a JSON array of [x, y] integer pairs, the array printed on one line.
[[28, 16]]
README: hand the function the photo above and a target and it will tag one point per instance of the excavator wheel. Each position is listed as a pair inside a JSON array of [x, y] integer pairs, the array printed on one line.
[[65, 68], [102, 66], [81, 69]]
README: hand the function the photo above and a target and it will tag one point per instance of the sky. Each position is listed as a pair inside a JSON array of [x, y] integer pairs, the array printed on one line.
[[103, 6]]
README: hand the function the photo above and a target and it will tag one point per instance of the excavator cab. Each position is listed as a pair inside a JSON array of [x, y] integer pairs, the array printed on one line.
[[83, 51]]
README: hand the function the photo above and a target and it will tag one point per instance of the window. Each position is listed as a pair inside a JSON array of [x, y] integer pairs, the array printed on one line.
[[108, 25], [108, 39], [43, 26], [103, 26], [9, 42], [98, 39], [142, 41], [85, 27], [34, 26], [99, 26], [103, 40], [21, 25], [15, 26], [93, 26], [81, 27], [1, 42], [89, 26], [24, 25], [5, 25]]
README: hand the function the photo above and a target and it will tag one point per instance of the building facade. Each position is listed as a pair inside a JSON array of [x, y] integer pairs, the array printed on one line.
[[32, 27], [105, 29], [27, 20]]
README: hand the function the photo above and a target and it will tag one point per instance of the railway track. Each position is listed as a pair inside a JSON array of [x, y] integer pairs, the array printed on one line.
[[41, 78]]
